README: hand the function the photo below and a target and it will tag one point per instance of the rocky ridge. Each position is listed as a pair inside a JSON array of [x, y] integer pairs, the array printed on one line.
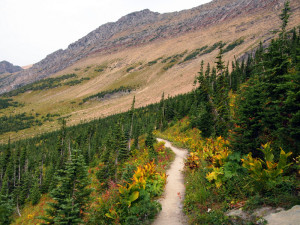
[[7, 67], [136, 29]]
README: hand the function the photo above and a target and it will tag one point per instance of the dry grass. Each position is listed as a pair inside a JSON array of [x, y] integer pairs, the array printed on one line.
[[151, 80]]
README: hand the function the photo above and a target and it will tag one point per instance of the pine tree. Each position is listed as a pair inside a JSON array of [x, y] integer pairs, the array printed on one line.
[[203, 119], [136, 136], [221, 100], [48, 179], [220, 63], [25, 188], [284, 16], [161, 115], [6, 209], [120, 144], [35, 193], [71, 195], [131, 115], [5, 158], [149, 142]]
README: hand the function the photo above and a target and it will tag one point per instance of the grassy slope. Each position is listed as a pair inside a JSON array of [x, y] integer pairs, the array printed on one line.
[[151, 80]]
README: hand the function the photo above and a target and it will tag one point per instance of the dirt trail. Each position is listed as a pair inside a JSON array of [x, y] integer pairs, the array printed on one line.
[[171, 201]]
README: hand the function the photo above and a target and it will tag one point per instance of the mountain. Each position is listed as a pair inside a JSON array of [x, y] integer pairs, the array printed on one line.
[[7, 67], [143, 54], [238, 119], [141, 28]]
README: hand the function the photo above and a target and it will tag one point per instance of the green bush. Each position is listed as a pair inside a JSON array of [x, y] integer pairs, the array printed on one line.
[[233, 45], [152, 62], [129, 69], [213, 47], [143, 211]]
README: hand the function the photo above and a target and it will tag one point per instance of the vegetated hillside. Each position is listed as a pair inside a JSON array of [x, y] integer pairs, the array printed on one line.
[[241, 127], [7, 67], [140, 28], [147, 69]]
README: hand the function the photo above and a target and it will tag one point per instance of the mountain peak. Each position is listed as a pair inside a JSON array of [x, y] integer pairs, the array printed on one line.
[[7, 67], [138, 17]]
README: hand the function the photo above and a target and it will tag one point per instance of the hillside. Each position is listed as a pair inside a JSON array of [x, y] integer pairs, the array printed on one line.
[[240, 125], [137, 52], [7, 67], [140, 28]]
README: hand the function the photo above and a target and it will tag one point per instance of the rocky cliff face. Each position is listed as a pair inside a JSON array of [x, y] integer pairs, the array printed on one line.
[[136, 29], [7, 67]]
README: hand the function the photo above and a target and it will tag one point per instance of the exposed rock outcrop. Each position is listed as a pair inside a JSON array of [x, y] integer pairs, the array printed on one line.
[[7, 67]]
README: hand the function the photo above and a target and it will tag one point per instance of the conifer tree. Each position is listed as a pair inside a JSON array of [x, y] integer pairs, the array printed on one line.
[[284, 16], [120, 144], [5, 158], [108, 170], [61, 144], [25, 187], [161, 115], [48, 179], [35, 193], [71, 195], [136, 135], [149, 142], [6, 209], [131, 114], [221, 100], [220, 63]]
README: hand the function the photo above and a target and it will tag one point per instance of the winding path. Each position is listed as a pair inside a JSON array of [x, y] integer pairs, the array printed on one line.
[[171, 201]]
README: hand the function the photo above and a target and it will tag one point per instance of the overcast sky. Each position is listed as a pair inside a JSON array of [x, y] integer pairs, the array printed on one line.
[[32, 29]]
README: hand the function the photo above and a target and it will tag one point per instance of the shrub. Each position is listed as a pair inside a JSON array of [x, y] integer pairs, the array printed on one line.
[[233, 45], [129, 69], [265, 172]]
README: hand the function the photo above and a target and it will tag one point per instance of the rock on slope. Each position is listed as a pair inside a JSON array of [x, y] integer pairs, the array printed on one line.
[[7, 67], [136, 29]]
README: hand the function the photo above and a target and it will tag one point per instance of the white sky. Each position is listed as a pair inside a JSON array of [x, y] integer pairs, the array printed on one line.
[[32, 29]]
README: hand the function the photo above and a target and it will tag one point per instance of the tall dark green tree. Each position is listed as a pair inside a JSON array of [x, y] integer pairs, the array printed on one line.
[[6, 209], [35, 193], [120, 144], [71, 195], [149, 142], [221, 99], [131, 115]]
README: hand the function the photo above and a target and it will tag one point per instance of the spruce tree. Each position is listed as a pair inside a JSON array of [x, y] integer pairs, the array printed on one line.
[[6, 209], [47, 181], [149, 142], [284, 16], [35, 193], [71, 195], [120, 143], [131, 115]]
